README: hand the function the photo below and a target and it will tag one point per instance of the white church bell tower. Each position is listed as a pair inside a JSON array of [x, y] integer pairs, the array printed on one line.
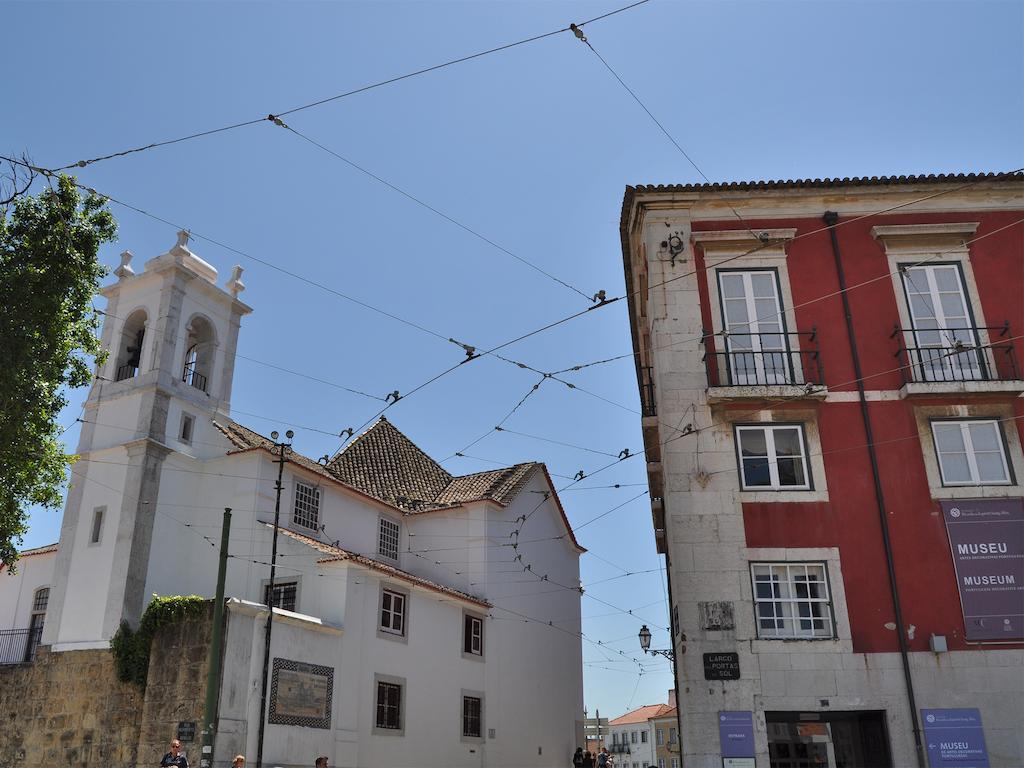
[[171, 333]]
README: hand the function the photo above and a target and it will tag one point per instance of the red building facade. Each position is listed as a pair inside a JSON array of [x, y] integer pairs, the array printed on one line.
[[831, 377]]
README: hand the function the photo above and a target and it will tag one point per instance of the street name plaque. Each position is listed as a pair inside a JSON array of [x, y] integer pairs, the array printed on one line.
[[721, 666], [186, 730]]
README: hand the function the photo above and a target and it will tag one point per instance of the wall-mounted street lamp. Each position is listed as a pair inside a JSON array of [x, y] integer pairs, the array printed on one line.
[[645, 644]]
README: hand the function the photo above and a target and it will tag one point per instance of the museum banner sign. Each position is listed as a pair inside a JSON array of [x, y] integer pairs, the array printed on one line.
[[986, 537]]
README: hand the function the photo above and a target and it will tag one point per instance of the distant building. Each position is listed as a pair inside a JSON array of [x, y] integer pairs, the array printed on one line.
[[831, 377], [398, 633], [631, 736], [666, 738]]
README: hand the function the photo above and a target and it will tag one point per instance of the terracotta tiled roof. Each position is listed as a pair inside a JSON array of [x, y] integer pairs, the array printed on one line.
[[384, 464], [389, 466], [670, 712], [641, 715], [854, 181], [500, 485], [36, 551], [334, 554]]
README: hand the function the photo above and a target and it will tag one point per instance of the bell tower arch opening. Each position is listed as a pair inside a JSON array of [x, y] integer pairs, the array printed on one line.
[[200, 344], [129, 350]]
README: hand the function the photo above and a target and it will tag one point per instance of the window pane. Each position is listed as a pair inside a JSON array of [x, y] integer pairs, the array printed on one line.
[[732, 286], [948, 438], [990, 468], [955, 468], [787, 441], [756, 474], [985, 437], [791, 472], [763, 285], [752, 442], [947, 278]]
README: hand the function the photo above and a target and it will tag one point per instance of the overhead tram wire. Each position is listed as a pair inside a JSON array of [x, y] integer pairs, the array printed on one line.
[[409, 196], [604, 302], [345, 94]]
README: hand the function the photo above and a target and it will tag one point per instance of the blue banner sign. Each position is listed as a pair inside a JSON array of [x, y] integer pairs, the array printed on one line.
[[955, 738], [736, 733]]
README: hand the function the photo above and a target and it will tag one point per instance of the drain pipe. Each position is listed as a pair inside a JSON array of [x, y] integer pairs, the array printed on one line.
[[831, 218]]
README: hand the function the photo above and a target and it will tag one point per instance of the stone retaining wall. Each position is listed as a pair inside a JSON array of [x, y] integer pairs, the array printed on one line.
[[69, 709]]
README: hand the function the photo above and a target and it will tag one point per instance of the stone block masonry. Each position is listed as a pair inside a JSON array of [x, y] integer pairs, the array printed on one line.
[[69, 709]]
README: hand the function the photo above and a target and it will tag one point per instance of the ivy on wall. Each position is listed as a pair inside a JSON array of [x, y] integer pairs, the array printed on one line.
[[131, 647]]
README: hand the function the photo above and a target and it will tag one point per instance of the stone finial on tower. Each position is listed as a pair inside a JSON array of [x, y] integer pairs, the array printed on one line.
[[182, 245], [124, 269], [235, 284]]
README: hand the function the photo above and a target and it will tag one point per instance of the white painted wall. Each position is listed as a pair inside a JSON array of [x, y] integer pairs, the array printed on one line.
[[18, 590], [641, 753]]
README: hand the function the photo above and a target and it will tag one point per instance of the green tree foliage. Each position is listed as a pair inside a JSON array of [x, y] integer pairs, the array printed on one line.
[[49, 273]]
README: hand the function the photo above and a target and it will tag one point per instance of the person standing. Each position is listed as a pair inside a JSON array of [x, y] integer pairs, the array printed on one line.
[[602, 758], [588, 760], [577, 758], [174, 758], [238, 762], [321, 762]]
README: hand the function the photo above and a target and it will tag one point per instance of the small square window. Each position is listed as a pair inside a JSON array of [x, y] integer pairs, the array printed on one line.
[[389, 706], [285, 595], [773, 458], [473, 635], [472, 710], [792, 601], [307, 506], [188, 423], [971, 452], [392, 612], [387, 543]]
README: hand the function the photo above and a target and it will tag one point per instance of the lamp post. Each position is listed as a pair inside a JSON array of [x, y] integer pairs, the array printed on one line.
[[645, 644], [281, 450]]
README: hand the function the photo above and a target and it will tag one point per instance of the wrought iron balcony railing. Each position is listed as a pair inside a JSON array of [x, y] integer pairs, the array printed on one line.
[[193, 378], [947, 355], [764, 359], [125, 372], [647, 407], [619, 749], [18, 646]]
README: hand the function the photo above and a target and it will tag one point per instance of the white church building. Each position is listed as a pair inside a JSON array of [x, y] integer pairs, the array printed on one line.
[[398, 598]]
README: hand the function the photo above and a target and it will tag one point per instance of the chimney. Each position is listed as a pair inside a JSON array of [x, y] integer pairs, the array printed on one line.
[[672, 698]]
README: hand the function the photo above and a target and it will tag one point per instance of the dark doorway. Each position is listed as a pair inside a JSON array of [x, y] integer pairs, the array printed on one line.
[[828, 740]]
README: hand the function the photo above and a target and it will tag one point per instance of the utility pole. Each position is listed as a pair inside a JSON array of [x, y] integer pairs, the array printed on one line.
[[216, 641], [281, 448]]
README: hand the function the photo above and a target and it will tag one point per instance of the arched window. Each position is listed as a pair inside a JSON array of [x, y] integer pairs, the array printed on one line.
[[198, 354], [35, 625], [129, 353]]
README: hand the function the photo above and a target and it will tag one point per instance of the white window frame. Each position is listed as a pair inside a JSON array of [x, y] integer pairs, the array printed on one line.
[[659, 734], [971, 454], [306, 505], [478, 639], [387, 613], [791, 617], [769, 429], [388, 529]]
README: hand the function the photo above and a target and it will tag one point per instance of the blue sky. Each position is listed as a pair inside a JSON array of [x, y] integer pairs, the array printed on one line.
[[531, 147]]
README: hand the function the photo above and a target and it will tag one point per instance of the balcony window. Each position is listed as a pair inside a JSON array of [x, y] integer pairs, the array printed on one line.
[[971, 452], [772, 457]]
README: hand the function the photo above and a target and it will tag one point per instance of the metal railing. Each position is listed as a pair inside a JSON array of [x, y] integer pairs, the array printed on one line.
[[18, 646], [647, 406], [125, 372], [956, 355], [764, 359], [193, 378], [619, 749]]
